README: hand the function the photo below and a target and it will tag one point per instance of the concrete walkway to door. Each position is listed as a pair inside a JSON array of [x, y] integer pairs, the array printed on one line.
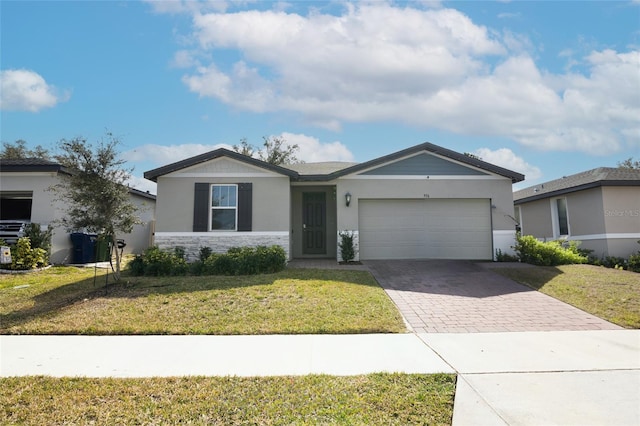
[[455, 296]]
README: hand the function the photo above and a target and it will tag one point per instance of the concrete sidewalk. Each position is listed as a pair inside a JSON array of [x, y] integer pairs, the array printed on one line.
[[529, 378], [167, 356], [544, 378]]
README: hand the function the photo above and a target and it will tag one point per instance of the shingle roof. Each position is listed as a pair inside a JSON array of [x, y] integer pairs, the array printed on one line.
[[324, 172], [31, 165], [602, 176], [321, 168]]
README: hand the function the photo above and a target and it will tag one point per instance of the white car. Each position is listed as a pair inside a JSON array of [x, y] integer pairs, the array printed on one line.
[[11, 230]]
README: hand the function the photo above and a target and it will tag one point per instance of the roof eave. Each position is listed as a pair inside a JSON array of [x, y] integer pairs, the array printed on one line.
[[577, 188], [40, 168]]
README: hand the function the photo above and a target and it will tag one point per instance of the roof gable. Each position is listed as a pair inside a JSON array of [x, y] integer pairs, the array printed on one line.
[[154, 174], [424, 164], [438, 151]]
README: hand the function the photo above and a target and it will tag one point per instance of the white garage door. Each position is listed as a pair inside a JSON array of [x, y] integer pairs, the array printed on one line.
[[425, 229]]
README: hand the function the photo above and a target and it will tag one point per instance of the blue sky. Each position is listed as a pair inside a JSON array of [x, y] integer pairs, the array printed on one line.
[[543, 88]]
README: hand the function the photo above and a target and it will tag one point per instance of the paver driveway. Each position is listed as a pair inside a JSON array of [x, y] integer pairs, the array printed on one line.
[[453, 296]]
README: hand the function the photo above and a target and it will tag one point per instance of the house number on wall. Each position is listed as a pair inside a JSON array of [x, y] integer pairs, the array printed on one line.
[[426, 195]]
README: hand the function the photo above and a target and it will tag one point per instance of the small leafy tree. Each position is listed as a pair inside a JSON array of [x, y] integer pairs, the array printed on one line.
[[245, 148], [96, 193], [629, 163], [19, 149], [275, 150]]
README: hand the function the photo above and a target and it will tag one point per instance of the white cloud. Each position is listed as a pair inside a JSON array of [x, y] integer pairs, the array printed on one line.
[[167, 154], [26, 90], [312, 150], [506, 158], [432, 68]]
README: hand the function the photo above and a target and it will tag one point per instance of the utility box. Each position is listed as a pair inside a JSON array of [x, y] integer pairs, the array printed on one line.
[[84, 247], [5, 255], [103, 252]]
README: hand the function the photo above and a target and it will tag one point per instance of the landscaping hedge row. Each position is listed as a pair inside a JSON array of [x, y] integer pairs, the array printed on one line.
[[237, 261], [551, 253]]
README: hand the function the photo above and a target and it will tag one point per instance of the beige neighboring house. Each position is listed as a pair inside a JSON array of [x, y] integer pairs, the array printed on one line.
[[599, 207], [421, 202], [25, 198]]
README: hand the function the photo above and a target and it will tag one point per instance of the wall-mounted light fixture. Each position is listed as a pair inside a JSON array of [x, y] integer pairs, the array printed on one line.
[[347, 198]]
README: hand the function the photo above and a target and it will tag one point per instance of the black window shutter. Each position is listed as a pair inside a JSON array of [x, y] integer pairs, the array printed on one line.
[[245, 206], [201, 207]]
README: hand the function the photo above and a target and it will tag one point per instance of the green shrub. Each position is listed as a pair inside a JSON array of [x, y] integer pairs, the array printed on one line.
[[347, 247], [204, 253], [614, 262], [633, 263], [248, 261], [237, 261], [550, 253], [39, 238], [136, 266], [158, 262], [505, 257], [23, 257]]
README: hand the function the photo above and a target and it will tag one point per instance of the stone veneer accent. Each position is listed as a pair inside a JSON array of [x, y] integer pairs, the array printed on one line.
[[356, 245], [219, 242]]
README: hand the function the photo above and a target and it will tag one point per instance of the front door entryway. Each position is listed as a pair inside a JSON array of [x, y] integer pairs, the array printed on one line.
[[314, 223]]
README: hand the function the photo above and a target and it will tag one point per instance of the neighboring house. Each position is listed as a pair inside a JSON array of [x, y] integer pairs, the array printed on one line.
[[25, 197], [421, 202], [599, 207]]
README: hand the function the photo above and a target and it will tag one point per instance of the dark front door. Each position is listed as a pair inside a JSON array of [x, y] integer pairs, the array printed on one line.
[[314, 223]]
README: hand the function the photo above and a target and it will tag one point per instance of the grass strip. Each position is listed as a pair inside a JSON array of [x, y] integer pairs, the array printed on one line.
[[68, 300], [388, 399], [611, 294]]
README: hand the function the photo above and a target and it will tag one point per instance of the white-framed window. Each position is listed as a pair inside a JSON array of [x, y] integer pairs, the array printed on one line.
[[560, 216], [224, 207]]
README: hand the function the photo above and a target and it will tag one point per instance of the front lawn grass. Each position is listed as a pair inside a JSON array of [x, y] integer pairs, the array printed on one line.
[[611, 294], [371, 399], [64, 300]]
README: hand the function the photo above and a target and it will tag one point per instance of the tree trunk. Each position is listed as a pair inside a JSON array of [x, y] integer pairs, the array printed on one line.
[[114, 247]]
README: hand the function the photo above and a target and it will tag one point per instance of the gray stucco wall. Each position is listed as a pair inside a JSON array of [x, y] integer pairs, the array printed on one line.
[[536, 219], [621, 210], [174, 205]]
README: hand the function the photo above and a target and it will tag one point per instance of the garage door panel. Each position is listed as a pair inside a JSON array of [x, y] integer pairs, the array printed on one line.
[[431, 228]]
